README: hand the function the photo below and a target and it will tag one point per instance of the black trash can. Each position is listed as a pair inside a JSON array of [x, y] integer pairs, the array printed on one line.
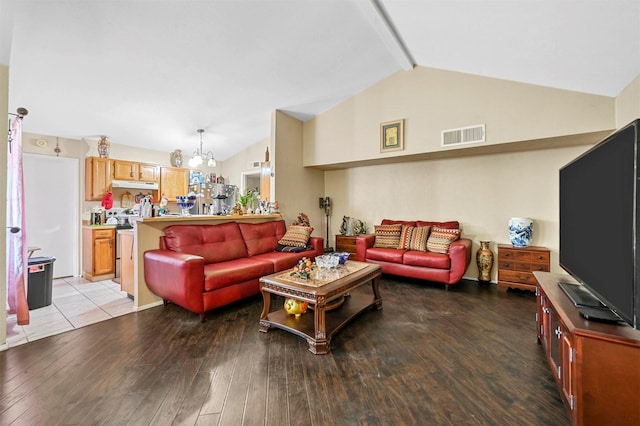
[[40, 282]]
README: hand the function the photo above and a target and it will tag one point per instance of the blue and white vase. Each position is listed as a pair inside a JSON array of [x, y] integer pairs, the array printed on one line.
[[520, 231]]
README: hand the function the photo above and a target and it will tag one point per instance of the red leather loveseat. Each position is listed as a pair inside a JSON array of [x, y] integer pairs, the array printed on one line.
[[202, 267], [445, 264]]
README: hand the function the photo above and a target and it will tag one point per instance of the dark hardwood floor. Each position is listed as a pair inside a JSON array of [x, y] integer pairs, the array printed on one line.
[[467, 356]]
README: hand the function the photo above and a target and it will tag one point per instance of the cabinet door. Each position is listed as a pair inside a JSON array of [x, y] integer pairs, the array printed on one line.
[[125, 170], [567, 356], [103, 256], [174, 181], [97, 177], [148, 173]]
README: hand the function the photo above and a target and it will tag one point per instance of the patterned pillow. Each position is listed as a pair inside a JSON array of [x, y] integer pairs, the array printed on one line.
[[405, 237], [387, 236], [441, 238], [296, 236], [419, 238]]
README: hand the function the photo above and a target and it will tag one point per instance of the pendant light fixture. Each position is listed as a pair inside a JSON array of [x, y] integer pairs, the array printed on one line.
[[199, 157]]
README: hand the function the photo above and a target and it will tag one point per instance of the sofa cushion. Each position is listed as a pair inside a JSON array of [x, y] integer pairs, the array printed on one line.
[[286, 260], [385, 254], [224, 274], [262, 237], [387, 236], [427, 259], [215, 243], [452, 224], [296, 236], [414, 238], [441, 238]]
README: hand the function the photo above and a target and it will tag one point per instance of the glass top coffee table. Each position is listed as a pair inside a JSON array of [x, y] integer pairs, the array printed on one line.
[[321, 292]]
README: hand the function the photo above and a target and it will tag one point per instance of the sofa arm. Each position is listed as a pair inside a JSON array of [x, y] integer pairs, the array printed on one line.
[[460, 255], [363, 242], [176, 277], [318, 245]]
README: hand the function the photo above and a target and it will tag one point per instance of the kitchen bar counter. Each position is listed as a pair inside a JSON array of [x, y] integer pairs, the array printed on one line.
[[147, 233]]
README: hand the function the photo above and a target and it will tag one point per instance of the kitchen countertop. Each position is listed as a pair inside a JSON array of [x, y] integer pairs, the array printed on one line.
[[201, 217]]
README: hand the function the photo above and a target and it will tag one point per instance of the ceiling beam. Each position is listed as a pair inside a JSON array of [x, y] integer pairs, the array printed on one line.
[[378, 16]]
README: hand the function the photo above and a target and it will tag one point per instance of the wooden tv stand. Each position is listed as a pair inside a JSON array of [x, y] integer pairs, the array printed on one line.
[[595, 364]]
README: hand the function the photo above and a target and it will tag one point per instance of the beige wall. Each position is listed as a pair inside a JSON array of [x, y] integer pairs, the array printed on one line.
[[296, 188], [433, 100], [628, 104], [239, 163], [481, 191], [4, 109]]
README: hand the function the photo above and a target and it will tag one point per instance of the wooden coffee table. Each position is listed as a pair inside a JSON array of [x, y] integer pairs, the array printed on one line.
[[318, 324]]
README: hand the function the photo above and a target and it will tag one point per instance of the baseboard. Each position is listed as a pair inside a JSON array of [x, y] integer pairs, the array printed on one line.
[[477, 280], [4, 347], [147, 306]]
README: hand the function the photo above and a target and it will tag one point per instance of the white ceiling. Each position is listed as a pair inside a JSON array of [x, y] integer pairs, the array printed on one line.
[[149, 73]]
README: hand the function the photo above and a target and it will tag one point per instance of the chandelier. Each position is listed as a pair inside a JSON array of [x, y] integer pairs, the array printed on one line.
[[199, 157]]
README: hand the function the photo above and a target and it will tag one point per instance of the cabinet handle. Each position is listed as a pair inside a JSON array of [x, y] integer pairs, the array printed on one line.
[[506, 254], [140, 176], [558, 332], [131, 174], [546, 310]]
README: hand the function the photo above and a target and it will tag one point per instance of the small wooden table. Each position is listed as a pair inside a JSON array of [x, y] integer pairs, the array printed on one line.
[[318, 327]]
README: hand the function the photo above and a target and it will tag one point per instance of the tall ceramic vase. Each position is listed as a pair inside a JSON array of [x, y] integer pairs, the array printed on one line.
[[484, 260], [104, 146], [520, 231]]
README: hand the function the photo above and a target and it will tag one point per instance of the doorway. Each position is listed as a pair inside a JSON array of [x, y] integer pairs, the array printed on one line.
[[249, 180], [52, 197]]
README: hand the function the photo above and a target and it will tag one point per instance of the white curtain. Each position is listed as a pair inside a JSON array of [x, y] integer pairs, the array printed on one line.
[[17, 262]]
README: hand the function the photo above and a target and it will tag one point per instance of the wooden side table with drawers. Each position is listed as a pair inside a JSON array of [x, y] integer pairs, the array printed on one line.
[[516, 266], [346, 243]]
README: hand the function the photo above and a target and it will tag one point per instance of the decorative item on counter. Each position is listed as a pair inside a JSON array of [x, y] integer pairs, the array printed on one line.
[[520, 231], [236, 210], [295, 307], [176, 158], [146, 207], [107, 200], [104, 146], [220, 179], [484, 260], [186, 202], [303, 269]]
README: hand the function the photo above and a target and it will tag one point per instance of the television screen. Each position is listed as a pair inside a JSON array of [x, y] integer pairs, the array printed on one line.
[[599, 221]]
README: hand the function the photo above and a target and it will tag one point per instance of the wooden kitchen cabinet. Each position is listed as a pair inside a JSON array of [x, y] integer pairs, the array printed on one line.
[[174, 181], [98, 175], [594, 364], [98, 253], [517, 264], [129, 170]]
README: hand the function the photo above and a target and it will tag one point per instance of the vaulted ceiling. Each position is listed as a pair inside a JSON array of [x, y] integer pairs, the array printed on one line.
[[149, 73]]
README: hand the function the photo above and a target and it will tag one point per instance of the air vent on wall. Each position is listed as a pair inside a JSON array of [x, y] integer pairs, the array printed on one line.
[[471, 134], [254, 164]]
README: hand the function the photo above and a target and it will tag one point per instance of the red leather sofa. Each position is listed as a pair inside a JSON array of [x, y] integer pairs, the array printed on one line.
[[443, 268], [202, 267]]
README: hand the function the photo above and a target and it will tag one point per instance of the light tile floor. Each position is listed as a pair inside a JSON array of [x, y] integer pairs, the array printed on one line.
[[76, 303]]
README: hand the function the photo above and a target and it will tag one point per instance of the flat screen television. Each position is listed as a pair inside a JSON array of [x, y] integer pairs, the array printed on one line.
[[599, 226]]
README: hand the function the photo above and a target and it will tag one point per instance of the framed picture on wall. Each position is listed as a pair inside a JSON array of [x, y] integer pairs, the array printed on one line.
[[392, 136]]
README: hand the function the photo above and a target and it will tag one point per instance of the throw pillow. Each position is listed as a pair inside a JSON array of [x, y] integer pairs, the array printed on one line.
[[405, 237], [419, 238], [441, 238], [387, 236], [296, 236]]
